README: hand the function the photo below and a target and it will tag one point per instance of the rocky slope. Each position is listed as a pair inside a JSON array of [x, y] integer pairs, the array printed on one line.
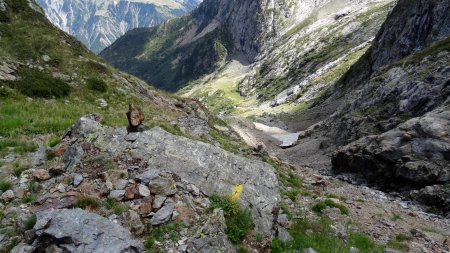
[[391, 121], [98, 23]]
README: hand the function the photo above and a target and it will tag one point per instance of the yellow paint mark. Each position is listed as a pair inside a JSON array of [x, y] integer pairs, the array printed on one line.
[[237, 192]]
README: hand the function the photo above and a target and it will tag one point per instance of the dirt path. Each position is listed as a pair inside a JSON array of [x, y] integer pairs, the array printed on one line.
[[383, 216]]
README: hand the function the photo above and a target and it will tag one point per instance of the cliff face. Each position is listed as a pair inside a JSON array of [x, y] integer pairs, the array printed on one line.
[[412, 26], [99, 23], [395, 118]]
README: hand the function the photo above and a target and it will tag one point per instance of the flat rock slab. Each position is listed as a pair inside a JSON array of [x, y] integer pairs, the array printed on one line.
[[213, 169], [287, 140], [75, 230]]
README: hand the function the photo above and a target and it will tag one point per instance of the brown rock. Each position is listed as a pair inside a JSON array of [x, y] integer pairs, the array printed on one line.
[[145, 207], [130, 192], [135, 116], [41, 174]]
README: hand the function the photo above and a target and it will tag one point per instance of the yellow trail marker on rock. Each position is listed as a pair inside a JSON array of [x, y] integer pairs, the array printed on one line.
[[237, 192]]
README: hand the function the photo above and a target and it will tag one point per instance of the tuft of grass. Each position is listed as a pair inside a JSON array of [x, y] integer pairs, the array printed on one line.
[[238, 220], [30, 222], [398, 245], [319, 207], [5, 185], [396, 217], [53, 141], [97, 84], [19, 168], [242, 249], [85, 202], [30, 199]]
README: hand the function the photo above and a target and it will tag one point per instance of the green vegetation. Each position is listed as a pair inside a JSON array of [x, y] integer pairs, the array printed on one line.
[[318, 235], [238, 220], [16, 146], [114, 205], [53, 141], [30, 222], [171, 230], [35, 83], [322, 205], [19, 168], [415, 58], [87, 202], [5, 185], [97, 84]]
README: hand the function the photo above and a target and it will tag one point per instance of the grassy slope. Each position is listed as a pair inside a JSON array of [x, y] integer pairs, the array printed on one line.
[[26, 37]]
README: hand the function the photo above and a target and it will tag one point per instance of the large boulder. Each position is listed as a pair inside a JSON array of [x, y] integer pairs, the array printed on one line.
[[75, 230], [195, 162], [417, 152]]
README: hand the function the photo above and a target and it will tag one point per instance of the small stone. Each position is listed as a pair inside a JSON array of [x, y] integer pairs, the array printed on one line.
[[8, 195], [109, 185], [41, 174], [163, 215], [121, 184], [143, 191], [117, 194], [77, 180], [162, 186], [159, 201], [133, 220], [61, 188], [195, 190], [353, 250], [283, 220], [46, 58], [23, 248], [284, 235], [146, 176], [182, 248], [101, 102], [130, 192], [309, 250], [29, 236]]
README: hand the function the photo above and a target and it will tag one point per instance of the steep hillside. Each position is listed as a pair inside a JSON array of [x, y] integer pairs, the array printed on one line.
[[98, 23], [182, 50]]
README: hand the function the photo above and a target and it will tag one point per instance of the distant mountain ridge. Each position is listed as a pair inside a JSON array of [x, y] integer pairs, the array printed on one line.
[[98, 23]]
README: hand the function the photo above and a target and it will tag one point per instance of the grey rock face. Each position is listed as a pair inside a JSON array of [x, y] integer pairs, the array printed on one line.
[[416, 152], [77, 180], [412, 26], [76, 230], [215, 170], [72, 157], [211, 245]]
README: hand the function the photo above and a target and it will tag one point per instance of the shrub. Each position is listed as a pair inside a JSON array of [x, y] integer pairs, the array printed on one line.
[[319, 207], [30, 222], [85, 202], [238, 220], [35, 83], [53, 142], [97, 84], [5, 185]]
